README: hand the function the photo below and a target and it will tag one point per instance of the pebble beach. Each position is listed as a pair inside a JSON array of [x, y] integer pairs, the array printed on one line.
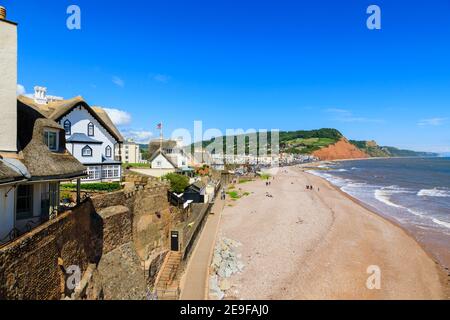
[[286, 242]]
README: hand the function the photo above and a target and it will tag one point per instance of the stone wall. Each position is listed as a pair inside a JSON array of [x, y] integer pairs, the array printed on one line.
[[104, 236], [33, 266], [117, 229], [152, 220], [150, 212]]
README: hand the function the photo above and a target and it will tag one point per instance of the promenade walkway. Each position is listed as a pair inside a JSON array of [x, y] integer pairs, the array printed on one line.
[[194, 280]]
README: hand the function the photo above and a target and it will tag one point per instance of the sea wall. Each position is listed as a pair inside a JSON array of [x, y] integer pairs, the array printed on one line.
[[33, 267], [118, 241]]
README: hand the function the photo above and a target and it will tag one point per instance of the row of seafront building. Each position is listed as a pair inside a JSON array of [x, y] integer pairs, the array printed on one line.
[[46, 140]]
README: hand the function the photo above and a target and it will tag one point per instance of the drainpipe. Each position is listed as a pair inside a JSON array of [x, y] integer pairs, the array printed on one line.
[[78, 191]]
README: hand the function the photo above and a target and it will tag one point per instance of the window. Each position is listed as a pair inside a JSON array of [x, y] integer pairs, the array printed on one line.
[[93, 173], [24, 202], [68, 127], [51, 139], [108, 152], [116, 171], [86, 151], [109, 172], [91, 129], [49, 200]]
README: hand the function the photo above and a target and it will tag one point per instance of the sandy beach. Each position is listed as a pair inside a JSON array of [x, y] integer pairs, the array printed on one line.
[[302, 244]]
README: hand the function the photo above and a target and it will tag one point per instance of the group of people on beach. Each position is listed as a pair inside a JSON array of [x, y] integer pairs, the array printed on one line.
[[311, 188]]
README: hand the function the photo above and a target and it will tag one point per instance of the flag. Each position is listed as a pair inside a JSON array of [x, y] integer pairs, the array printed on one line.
[[159, 126]]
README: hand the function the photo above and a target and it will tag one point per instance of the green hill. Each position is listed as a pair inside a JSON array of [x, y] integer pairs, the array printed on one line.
[[297, 142], [308, 141], [374, 150]]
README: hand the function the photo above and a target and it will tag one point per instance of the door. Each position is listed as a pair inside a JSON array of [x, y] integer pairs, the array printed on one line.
[[174, 241]]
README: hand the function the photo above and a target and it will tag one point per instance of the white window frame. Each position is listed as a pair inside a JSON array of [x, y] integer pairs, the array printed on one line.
[[90, 127], [108, 152], [48, 131], [93, 173], [67, 125], [87, 147]]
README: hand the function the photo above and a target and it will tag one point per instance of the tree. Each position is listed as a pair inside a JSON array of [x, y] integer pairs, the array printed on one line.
[[178, 182]]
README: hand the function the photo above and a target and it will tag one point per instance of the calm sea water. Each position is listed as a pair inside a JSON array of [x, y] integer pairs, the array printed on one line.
[[414, 192]]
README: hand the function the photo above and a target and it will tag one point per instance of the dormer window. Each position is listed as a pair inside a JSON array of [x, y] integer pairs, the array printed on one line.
[[68, 127], [91, 129], [86, 151], [51, 139], [108, 152]]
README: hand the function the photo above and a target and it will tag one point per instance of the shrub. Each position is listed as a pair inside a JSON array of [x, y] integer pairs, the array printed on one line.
[[66, 196], [178, 182], [101, 186], [135, 165]]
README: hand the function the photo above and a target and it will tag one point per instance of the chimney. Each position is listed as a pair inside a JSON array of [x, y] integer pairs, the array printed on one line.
[[40, 95], [2, 13], [8, 84]]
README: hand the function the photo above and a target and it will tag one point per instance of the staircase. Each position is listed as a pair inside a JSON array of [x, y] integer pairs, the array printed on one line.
[[167, 284]]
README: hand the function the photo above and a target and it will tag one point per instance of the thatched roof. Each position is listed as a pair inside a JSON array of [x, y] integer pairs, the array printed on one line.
[[58, 109], [35, 154], [155, 145]]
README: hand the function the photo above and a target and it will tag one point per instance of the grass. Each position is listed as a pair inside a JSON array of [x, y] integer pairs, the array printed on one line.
[[265, 176], [245, 181], [308, 146], [101, 186], [234, 195]]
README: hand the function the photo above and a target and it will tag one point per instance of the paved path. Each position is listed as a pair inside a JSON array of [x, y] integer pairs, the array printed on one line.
[[193, 284]]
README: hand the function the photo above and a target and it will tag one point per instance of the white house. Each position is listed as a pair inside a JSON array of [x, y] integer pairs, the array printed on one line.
[[33, 157], [90, 136], [93, 139], [168, 154]]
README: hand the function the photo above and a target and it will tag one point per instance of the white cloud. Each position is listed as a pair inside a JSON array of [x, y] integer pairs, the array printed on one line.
[[163, 78], [118, 117], [432, 122], [21, 90], [118, 81], [344, 115], [139, 136]]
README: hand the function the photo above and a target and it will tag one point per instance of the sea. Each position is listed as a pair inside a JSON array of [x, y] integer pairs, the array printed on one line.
[[412, 192]]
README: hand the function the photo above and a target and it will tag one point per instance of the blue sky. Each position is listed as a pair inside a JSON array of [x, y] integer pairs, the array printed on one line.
[[249, 64]]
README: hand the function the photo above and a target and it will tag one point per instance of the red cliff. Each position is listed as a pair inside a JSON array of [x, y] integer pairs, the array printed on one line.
[[340, 150]]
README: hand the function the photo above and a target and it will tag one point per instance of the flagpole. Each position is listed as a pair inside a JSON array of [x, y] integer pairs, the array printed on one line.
[[161, 135]]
